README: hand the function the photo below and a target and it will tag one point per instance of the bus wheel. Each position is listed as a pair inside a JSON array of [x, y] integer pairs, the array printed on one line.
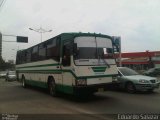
[[52, 87], [23, 82]]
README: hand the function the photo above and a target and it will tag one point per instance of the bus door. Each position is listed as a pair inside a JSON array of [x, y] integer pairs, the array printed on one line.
[[66, 65]]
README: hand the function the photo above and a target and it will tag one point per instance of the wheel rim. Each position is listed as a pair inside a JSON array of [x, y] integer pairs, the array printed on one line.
[[130, 87]]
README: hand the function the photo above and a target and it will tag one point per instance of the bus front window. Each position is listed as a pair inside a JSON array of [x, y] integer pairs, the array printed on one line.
[[92, 51]]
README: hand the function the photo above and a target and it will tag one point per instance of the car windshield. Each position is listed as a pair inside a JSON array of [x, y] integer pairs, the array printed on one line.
[[151, 70], [127, 71]]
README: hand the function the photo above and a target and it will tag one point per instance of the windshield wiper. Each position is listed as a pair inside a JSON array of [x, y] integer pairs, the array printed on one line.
[[101, 57]]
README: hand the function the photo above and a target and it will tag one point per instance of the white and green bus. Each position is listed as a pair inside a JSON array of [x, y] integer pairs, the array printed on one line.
[[72, 63]]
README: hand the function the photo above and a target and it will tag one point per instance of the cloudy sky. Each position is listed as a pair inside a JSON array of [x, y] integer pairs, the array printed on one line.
[[136, 21]]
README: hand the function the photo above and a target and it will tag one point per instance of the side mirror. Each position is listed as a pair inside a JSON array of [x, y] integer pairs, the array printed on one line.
[[104, 51]]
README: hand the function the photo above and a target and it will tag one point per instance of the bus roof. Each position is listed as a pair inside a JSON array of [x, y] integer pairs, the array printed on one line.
[[69, 35], [76, 34]]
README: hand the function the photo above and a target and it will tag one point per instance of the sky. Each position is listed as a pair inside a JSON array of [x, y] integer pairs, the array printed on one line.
[[137, 22]]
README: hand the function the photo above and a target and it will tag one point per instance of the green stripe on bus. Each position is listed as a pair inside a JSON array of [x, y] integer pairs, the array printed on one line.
[[60, 72], [36, 83], [99, 69], [41, 71], [59, 87], [46, 65], [65, 88]]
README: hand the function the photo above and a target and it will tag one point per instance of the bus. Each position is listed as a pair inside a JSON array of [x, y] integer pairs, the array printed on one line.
[[72, 63]]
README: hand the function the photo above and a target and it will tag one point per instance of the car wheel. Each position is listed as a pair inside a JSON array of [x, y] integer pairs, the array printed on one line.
[[130, 88], [52, 87], [23, 82]]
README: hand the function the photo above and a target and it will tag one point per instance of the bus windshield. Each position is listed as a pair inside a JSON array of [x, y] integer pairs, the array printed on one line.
[[93, 51]]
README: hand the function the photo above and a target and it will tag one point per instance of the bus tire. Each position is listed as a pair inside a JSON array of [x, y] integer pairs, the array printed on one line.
[[23, 82], [52, 87]]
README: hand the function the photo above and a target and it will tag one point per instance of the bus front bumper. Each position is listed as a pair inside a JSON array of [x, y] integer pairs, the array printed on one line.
[[86, 89]]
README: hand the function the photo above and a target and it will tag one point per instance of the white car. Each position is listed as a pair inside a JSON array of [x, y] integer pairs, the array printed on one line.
[[3, 74], [131, 81], [11, 76]]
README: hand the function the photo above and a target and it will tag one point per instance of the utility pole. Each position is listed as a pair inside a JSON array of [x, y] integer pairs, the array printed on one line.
[[21, 39]]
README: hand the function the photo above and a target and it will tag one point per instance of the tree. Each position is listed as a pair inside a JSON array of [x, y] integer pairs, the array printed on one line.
[[5, 65], [2, 63]]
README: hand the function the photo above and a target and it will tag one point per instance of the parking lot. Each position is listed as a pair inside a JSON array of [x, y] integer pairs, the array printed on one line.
[[16, 100]]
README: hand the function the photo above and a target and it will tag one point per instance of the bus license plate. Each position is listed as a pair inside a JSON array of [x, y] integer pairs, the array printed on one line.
[[100, 89]]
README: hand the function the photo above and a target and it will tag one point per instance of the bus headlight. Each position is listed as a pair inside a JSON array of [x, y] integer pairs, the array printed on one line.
[[114, 79], [80, 82]]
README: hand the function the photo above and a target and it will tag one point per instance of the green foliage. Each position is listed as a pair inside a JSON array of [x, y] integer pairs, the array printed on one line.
[[5, 65]]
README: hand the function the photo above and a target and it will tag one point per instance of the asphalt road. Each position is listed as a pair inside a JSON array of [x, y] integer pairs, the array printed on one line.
[[32, 101]]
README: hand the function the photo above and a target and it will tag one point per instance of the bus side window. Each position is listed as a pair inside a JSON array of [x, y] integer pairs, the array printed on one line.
[[34, 55], [53, 50], [66, 60], [42, 51], [23, 57], [28, 55]]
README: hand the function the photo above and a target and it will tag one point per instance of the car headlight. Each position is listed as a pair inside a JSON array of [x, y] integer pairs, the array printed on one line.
[[114, 79], [80, 82], [143, 81]]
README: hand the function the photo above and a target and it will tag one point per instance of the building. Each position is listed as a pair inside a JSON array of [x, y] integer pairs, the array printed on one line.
[[140, 60]]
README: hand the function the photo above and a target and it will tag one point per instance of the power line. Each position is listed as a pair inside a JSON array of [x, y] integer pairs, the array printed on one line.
[[2, 4]]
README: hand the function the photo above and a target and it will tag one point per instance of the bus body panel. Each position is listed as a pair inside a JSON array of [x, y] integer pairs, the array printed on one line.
[[96, 76]]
